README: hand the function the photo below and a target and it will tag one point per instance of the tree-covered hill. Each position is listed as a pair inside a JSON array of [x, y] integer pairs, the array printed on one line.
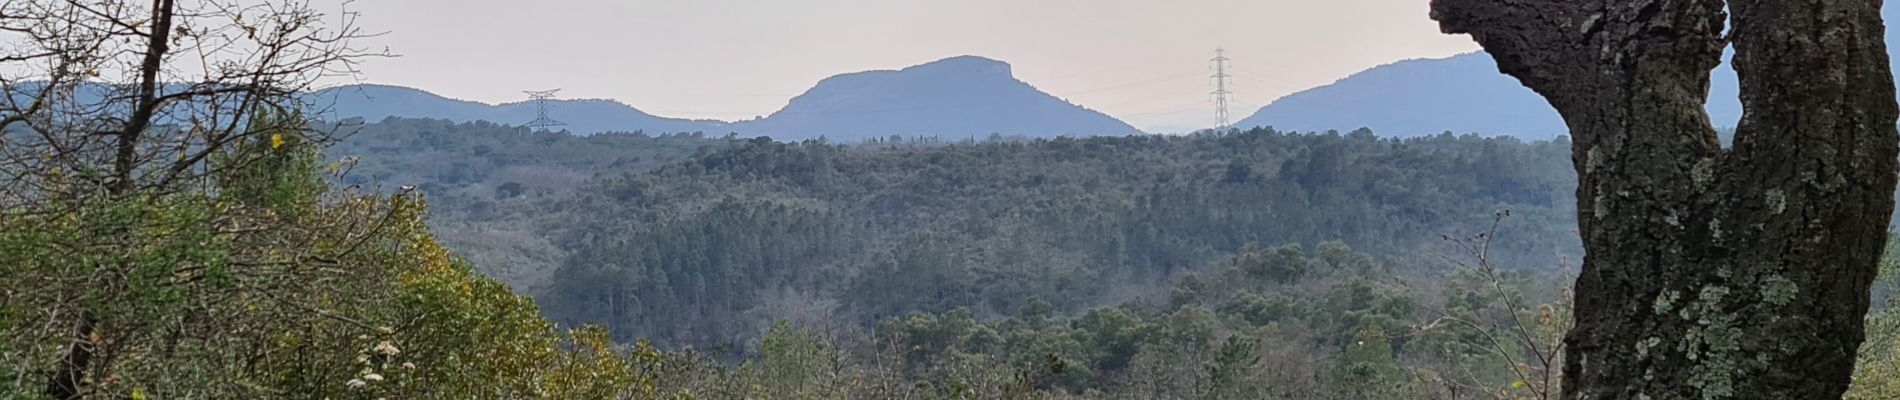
[[708, 250], [1201, 266], [475, 173]]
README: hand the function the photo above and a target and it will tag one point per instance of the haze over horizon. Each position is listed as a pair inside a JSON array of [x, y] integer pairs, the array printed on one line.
[[763, 53]]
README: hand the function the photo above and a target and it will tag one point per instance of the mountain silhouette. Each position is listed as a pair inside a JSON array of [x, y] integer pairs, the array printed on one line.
[[957, 97], [375, 102]]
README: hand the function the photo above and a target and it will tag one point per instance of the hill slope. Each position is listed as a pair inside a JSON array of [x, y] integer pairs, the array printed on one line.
[[376, 102], [474, 173], [1463, 93]]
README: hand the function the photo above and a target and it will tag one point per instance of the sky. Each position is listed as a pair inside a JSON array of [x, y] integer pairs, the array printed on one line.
[[1143, 61]]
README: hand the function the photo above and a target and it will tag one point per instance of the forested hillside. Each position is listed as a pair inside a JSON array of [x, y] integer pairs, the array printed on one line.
[[474, 173], [708, 250], [703, 241], [1061, 266], [1200, 266]]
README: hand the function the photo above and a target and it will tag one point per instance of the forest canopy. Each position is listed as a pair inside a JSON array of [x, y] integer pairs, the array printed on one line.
[[1005, 259]]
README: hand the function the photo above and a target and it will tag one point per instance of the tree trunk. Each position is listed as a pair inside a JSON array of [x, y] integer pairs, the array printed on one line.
[[70, 379], [1712, 273], [157, 44]]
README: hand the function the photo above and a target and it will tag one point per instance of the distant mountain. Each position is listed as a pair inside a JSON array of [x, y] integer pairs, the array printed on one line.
[[952, 98], [1418, 97], [1463, 93], [375, 102], [957, 97]]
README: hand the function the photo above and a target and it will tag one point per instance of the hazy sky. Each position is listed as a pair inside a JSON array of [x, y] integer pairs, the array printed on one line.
[[1144, 61]]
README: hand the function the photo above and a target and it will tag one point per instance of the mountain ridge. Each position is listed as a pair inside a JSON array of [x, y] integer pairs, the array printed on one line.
[[1410, 98], [962, 96], [379, 101]]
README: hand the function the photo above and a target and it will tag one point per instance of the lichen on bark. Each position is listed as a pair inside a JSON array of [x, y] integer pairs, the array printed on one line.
[[1777, 236]]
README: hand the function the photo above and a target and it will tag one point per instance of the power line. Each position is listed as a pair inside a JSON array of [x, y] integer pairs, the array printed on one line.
[[1132, 84], [1176, 96], [1244, 72], [1220, 88], [541, 120], [1166, 111]]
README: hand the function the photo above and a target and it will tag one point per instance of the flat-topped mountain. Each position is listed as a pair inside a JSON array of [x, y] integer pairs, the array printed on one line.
[[951, 98]]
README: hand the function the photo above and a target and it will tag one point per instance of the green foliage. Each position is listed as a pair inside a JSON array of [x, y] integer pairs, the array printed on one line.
[[1283, 265], [276, 172], [1877, 372], [1114, 334], [1354, 340], [1365, 369], [1358, 305], [460, 165], [492, 187], [262, 283], [1226, 374], [699, 274], [799, 365]]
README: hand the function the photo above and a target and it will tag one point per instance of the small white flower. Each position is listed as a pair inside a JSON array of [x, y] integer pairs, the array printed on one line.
[[355, 383], [409, 366], [373, 377], [387, 348]]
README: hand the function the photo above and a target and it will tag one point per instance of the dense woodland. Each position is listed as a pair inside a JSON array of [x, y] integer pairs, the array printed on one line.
[[818, 232], [1241, 264], [476, 173], [860, 229]]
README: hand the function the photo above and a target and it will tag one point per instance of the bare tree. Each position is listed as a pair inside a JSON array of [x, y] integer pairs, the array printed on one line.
[[120, 96], [105, 100], [1712, 273], [1537, 371]]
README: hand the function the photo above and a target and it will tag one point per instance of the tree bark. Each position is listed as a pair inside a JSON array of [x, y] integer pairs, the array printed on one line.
[[1712, 273]]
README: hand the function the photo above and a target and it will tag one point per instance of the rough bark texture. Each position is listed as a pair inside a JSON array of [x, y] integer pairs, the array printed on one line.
[[1712, 273]]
